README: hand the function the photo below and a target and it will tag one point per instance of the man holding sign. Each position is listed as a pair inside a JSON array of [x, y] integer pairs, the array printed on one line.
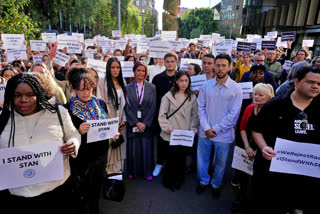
[[294, 117]]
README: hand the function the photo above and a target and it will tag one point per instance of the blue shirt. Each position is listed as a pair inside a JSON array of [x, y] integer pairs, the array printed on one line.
[[219, 108]]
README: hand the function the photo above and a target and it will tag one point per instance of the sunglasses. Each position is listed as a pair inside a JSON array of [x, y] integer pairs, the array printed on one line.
[[303, 117]]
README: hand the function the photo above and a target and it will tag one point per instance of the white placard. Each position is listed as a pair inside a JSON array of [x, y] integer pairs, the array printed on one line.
[[205, 37], [80, 36], [98, 65], [74, 47], [2, 90], [181, 137], [116, 33], [155, 38], [38, 45], [120, 58], [174, 45], [13, 41], [215, 35], [30, 164], [127, 68], [307, 43], [226, 49], [61, 59], [197, 81], [158, 48], [241, 161], [296, 158], [283, 44], [287, 65], [121, 44], [143, 46], [186, 61], [247, 89], [169, 35], [272, 34], [36, 59], [66, 38], [102, 129], [16, 54], [89, 53], [89, 42], [49, 37]]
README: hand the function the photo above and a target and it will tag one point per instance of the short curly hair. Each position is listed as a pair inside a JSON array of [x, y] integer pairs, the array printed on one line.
[[88, 75]]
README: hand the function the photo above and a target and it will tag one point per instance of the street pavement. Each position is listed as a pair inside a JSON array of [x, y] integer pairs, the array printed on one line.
[[151, 197]]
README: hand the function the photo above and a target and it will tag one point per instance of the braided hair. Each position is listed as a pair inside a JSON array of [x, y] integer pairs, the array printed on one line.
[[112, 92], [8, 105]]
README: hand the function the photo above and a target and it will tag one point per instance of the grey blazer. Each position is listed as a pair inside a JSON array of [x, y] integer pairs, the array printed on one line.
[[148, 106]]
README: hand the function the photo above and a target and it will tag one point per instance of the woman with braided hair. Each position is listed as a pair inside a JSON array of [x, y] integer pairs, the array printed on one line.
[[28, 118]]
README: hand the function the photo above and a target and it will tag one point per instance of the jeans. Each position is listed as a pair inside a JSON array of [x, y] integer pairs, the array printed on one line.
[[221, 153]]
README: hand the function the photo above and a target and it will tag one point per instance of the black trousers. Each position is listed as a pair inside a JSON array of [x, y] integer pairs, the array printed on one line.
[[162, 150]]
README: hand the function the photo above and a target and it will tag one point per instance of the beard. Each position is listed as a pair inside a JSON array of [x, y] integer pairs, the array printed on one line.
[[221, 77]]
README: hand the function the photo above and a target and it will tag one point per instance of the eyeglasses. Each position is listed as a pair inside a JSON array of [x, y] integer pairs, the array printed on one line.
[[304, 120]]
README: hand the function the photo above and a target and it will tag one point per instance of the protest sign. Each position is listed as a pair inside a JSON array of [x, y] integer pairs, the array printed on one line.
[[244, 46], [307, 43], [215, 35], [272, 34], [36, 59], [253, 46], [186, 61], [2, 90], [225, 49], [241, 161], [143, 46], [270, 45], [49, 37], [16, 54], [120, 58], [98, 65], [205, 37], [288, 36], [116, 33], [158, 48], [89, 42], [74, 47], [80, 36], [197, 81], [121, 44], [38, 45], [280, 43], [287, 65], [102, 129], [247, 89], [296, 158], [181, 137], [13, 41], [127, 68], [89, 53], [30, 164], [61, 59], [169, 35]]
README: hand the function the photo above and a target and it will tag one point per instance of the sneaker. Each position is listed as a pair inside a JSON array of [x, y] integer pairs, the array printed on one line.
[[200, 188], [157, 170]]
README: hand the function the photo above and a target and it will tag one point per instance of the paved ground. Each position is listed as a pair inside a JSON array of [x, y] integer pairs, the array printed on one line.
[[145, 197]]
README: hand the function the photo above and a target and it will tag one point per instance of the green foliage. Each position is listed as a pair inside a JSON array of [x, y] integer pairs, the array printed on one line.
[[195, 21], [13, 20], [131, 23], [150, 24]]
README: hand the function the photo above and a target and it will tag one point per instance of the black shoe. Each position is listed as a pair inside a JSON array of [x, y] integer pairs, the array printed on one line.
[[216, 192], [200, 188]]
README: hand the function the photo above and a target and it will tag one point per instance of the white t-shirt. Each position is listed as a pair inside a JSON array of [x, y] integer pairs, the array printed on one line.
[[153, 70]]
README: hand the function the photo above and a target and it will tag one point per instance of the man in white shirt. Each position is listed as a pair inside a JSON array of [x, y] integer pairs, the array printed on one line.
[[153, 70]]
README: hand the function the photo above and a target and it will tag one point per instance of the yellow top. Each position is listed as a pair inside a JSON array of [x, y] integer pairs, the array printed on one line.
[[240, 69]]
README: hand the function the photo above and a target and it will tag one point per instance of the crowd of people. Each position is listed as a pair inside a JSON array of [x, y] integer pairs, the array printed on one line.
[[46, 102]]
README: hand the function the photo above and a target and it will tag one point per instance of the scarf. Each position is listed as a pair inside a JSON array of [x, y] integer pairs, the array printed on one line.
[[89, 110]]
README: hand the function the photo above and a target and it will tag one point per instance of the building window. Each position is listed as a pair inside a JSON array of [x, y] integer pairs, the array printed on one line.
[[136, 3], [143, 3], [237, 7]]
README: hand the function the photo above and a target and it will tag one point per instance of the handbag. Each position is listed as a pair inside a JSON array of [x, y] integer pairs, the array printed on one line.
[[114, 189]]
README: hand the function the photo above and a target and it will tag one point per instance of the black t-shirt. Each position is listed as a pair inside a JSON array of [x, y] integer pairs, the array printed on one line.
[[279, 119]]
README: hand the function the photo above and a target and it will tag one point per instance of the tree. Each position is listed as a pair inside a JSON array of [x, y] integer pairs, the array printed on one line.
[[197, 20], [13, 20], [150, 24], [131, 22]]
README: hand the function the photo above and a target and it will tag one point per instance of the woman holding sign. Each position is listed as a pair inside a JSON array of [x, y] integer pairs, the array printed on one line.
[[178, 110], [28, 120], [90, 164], [113, 91], [140, 111]]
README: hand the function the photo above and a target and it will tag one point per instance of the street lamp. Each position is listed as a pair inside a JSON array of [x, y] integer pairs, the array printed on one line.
[[143, 11]]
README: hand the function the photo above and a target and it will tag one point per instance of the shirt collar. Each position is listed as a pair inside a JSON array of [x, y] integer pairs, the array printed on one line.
[[227, 83]]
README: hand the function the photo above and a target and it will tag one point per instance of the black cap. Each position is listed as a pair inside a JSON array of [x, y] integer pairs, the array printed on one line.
[[256, 67]]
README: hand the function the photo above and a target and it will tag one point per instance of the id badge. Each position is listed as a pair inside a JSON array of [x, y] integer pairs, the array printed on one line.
[[139, 114]]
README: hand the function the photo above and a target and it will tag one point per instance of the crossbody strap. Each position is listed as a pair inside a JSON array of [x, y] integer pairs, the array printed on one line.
[[59, 116], [177, 109]]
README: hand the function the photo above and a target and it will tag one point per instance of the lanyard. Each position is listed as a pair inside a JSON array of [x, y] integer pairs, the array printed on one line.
[[141, 92]]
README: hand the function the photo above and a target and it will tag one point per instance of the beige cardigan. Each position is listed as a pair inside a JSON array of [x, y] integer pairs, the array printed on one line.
[[186, 118], [114, 162]]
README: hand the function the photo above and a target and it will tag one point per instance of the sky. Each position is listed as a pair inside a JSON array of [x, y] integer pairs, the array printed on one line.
[[185, 3]]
